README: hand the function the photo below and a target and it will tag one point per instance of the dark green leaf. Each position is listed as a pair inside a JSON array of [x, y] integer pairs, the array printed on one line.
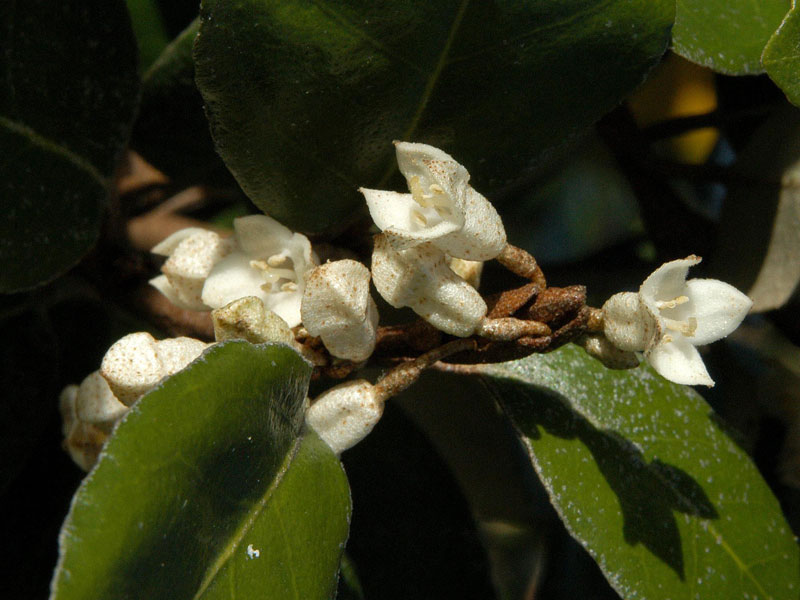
[[781, 58], [643, 476], [171, 131], [151, 36], [68, 94], [726, 35], [304, 99], [211, 488]]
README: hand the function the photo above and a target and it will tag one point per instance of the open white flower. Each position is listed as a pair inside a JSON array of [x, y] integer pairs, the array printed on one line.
[[344, 415], [136, 363], [338, 308], [263, 259], [442, 208], [420, 279], [669, 316], [269, 262]]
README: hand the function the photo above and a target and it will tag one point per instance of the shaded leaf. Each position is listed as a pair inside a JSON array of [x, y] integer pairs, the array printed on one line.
[[759, 238], [643, 476], [151, 35], [210, 488], [305, 98], [726, 35], [67, 97], [781, 57], [171, 131]]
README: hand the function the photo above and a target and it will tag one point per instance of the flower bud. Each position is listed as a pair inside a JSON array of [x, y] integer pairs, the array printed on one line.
[[247, 319], [137, 363], [345, 414], [338, 308], [420, 279], [96, 404]]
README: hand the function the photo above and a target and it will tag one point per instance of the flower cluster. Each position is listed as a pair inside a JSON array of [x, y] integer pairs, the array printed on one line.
[[132, 367]]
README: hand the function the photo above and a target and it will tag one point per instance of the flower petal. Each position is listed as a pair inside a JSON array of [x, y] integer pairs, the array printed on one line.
[[286, 305], [433, 167], [667, 281], [679, 361], [261, 236], [167, 246], [232, 278], [482, 237], [718, 307]]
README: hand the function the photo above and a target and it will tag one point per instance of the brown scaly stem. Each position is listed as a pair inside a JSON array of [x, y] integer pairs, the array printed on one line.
[[522, 263], [402, 376]]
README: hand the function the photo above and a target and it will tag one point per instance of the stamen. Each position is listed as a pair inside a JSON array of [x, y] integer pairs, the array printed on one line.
[[686, 328], [436, 188], [419, 218], [289, 286], [260, 265], [672, 303], [277, 260]]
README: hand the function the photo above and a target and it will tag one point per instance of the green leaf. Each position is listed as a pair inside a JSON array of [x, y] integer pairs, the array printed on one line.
[[211, 488], [304, 98], [171, 131], [726, 35], [644, 477], [67, 97], [781, 57], [151, 35]]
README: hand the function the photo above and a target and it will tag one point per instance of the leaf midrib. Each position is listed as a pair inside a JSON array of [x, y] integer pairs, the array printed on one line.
[[54, 147], [248, 521]]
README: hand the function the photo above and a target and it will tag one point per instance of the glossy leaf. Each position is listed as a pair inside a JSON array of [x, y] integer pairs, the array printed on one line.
[[644, 477], [67, 98], [726, 35], [781, 58], [211, 488], [304, 99]]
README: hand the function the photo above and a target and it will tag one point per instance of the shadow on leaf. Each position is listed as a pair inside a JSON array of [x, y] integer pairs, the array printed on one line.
[[649, 494]]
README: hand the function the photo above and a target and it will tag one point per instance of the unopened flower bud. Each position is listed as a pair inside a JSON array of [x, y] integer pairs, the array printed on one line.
[[248, 319], [338, 308], [137, 363], [345, 414], [420, 279], [96, 404]]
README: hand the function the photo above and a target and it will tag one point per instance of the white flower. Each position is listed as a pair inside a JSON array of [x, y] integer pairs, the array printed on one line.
[[344, 415], [442, 207], [338, 308], [82, 440], [192, 253], [262, 258], [670, 316], [136, 363], [270, 262], [420, 279]]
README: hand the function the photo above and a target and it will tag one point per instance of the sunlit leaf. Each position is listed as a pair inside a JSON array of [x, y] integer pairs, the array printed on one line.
[[304, 99], [781, 56], [726, 35], [644, 477], [211, 488]]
